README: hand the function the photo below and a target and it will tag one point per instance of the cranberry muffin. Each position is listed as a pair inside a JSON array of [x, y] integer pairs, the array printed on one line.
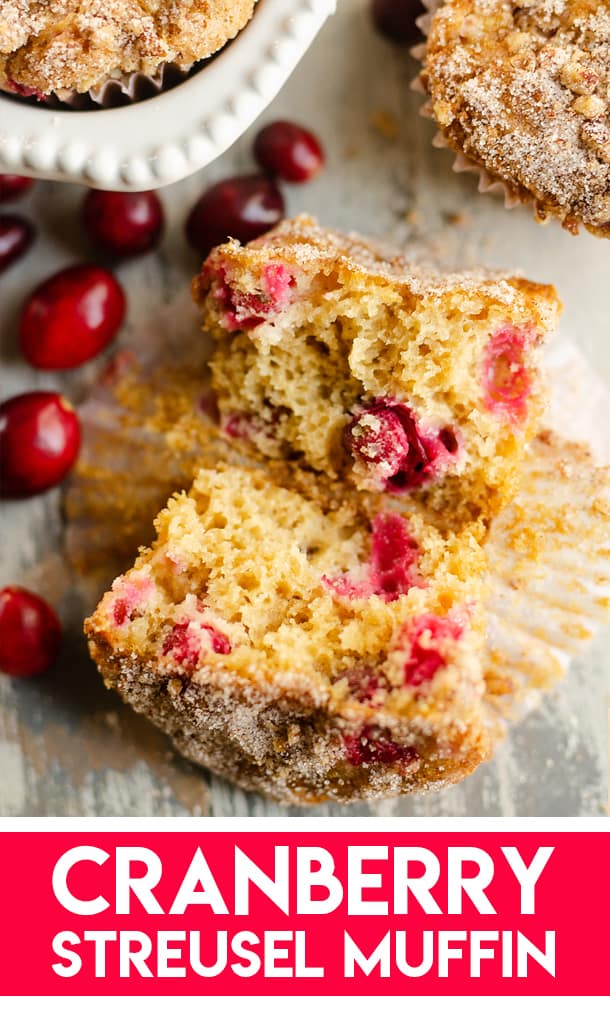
[[64, 47], [522, 89], [375, 370], [302, 640]]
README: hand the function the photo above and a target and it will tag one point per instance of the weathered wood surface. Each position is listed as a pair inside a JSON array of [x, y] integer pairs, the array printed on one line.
[[68, 747]]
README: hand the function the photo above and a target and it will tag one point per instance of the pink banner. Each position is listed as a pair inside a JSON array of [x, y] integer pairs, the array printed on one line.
[[332, 913]]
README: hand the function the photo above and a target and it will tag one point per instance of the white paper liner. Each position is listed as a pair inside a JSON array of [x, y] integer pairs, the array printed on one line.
[[549, 552], [487, 183]]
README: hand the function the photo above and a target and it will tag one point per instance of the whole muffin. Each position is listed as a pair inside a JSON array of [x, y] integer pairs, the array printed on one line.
[[521, 89], [66, 46]]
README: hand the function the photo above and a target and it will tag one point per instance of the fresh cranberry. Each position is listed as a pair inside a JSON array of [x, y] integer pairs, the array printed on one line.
[[39, 442], [289, 151], [243, 207], [71, 317], [16, 237], [396, 19], [14, 186], [123, 224], [376, 747], [30, 633]]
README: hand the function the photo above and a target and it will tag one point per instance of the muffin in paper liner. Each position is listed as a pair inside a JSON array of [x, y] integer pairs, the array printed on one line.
[[486, 182], [125, 88], [149, 426], [515, 195]]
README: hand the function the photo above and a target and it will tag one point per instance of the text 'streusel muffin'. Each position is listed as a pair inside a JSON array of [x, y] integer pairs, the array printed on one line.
[[522, 90], [65, 46]]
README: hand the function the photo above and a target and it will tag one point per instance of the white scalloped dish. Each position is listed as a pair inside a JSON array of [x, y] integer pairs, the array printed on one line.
[[166, 138]]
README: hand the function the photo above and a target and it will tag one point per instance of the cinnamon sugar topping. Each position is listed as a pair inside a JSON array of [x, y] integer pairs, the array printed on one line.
[[526, 97], [72, 45]]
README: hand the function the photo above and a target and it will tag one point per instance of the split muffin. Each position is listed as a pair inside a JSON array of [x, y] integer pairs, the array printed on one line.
[[301, 639], [374, 370]]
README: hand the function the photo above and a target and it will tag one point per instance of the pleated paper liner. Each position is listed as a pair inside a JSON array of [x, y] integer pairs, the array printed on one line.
[[149, 427], [128, 88], [487, 183]]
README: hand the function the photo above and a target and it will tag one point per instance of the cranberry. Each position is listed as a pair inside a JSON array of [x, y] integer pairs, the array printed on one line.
[[16, 237], [425, 634], [13, 186], [376, 747], [394, 556], [393, 568], [289, 151], [506, 379], [396, 19], [39, 442], [187, 639], [30, 633], [389, 441], [71, 317], [243, 207], [123, 224]]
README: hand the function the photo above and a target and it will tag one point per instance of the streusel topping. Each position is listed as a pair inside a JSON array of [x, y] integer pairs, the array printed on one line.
[[73, 45], [522, 89]]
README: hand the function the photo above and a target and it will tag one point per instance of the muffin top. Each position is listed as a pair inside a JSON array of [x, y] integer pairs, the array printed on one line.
[[523, 89], [73, 45]]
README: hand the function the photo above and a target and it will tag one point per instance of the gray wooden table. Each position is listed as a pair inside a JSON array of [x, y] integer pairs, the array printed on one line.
[[68, 747]]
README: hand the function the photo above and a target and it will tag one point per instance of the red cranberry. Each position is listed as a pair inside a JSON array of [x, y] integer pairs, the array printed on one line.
[[376, 747], [378, 438], [394, 556], [243, 207], [185, 641], [123, 224], [30, 633], [39, 442], [506, 379], [13, 186], [395, 19], [289, 151], [425, 634], [16, 237], [398, 453], [71, 317]]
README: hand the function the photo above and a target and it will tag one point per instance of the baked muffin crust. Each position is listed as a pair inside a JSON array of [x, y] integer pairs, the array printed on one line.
[[72, 45], [522, 90]]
